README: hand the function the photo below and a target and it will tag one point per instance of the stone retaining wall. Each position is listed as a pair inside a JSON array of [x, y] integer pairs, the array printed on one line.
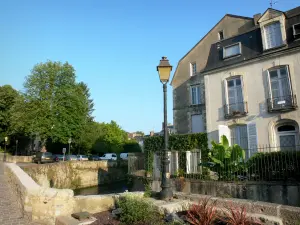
[[77, 174], [15, 159]]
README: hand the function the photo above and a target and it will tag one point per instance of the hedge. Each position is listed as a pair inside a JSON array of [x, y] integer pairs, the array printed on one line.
[[274, 166], [178, 142]]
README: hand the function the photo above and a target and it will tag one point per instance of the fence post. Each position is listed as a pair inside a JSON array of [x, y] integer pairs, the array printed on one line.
[[188, 162]]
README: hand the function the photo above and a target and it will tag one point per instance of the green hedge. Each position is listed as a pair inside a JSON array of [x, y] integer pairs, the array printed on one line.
[[179, 142], [274, 166]]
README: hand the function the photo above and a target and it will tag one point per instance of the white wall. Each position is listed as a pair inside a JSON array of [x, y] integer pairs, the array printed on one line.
[[255, 93]]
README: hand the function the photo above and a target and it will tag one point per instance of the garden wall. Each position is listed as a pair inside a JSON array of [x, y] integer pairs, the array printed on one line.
[[15, 159], [78, 174], [274, 192]]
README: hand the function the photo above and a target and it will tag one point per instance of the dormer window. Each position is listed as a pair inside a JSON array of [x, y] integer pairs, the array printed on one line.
[[193, 69], [296, 30], [232, 50], [272, 35]]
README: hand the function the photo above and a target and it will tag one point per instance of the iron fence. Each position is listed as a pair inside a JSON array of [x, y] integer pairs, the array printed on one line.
[[265, 163], [282, 103], [235, 110]]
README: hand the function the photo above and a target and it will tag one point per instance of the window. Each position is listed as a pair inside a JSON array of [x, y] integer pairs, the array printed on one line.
[[196, 95], [235, 100], [239, 136], [296, 29], [287, 137], [193, 69], [232, 50], [273, 37], [280, 88], [221, 35]]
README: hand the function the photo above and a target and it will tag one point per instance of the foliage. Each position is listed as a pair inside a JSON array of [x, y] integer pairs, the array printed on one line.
[[203, 213], [135, 210], [141, 133], [131, 146], [8, 97], [237, 216], [275, 166], [225, 159], [53, 104]]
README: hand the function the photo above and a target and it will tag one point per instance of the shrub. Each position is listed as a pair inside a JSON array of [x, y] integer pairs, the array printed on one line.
[[203, 213], [135, 211], [132, 146], [275, 166]]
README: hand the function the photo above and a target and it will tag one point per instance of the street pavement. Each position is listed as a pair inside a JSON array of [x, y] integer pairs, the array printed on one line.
[[10, 214]]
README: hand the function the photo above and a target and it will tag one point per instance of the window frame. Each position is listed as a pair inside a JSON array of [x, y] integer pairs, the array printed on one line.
[[227, 92], [219, 35], [294, 32], [197, 94], [277, 68], [265, 35], [192, 72], [279, 134], [228, 46]]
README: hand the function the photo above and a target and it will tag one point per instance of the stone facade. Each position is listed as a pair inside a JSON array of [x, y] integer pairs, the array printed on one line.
[[182, 80]]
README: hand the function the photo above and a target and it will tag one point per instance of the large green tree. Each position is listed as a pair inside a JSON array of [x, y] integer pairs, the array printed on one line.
[[8, 97], [53, 105]]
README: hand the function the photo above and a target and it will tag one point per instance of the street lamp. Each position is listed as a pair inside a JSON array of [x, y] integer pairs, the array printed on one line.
[[70, 141], [164, 70], [5, 139], [17, 147]]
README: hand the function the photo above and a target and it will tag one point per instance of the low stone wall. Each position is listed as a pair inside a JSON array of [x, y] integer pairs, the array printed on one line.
[[287, 193], [77, 174], [15, 159], [43, 205]]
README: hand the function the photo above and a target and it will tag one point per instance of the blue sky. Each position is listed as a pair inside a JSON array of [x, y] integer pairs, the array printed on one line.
[[114, 45]]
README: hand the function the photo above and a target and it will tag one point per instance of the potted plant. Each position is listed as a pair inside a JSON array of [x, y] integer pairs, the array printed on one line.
[[180, 180]]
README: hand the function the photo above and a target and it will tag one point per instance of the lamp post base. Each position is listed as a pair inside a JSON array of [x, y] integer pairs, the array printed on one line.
[[166, 194]]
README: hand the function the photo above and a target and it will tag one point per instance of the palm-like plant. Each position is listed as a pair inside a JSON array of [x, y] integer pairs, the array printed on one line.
[[226, 159]]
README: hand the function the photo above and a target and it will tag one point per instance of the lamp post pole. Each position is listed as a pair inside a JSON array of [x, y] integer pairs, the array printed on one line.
[[69, 141], [164, 70], [5, 139], [17, 147]]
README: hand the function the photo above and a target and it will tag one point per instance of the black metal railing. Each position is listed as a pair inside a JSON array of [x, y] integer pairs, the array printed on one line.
[[282, 103], [235, 110]]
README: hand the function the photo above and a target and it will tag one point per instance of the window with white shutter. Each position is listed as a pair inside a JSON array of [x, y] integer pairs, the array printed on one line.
[[272, 35], [252, 139]]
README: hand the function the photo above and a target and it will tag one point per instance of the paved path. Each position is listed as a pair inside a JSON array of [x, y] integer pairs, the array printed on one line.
[[10, 214]]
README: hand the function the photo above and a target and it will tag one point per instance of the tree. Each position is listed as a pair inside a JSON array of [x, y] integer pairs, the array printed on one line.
[[53, 105], [8, 97], [141, 133]]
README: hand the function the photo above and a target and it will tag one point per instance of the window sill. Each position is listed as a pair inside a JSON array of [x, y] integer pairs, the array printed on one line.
[[274, 48], [195, 105], [231, 57]]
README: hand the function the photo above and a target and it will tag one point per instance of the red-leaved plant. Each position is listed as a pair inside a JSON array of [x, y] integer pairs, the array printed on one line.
[[203, 213], [238, 216]]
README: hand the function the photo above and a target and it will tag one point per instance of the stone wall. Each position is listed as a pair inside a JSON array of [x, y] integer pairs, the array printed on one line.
[[14, 159], [274, 192], [77, 174]]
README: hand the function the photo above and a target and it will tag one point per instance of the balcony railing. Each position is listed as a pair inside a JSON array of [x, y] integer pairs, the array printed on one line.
[[283, 103], [235, 110]]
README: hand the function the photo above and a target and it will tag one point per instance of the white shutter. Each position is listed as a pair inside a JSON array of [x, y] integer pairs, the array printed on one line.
[[252, 138], [224, 130], [226, 92], [188, 162]]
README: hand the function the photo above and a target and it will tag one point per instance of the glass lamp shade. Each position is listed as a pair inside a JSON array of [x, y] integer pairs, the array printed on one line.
[[164, 70], [6, 139]]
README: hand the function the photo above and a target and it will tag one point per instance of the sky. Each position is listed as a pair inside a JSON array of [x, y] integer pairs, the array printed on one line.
[[114, 46]]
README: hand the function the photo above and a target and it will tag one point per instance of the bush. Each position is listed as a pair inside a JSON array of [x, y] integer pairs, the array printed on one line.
[[136, 210], [131, 147], [275, 166]]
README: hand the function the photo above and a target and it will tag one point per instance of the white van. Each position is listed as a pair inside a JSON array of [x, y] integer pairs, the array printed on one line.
[[109, 156], [124, 156]]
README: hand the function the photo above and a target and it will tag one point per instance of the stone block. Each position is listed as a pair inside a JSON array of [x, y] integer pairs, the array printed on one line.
[[290, 215], [265, 208]]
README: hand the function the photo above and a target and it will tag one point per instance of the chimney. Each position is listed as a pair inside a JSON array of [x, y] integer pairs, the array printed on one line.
[[256, 18], [151, 133]]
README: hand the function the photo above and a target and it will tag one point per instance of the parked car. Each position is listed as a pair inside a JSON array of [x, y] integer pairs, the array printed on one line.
[[109, 156], [82, 158], [71, 158], [43, 157], [124, 156], [58, 158], [94, 158]]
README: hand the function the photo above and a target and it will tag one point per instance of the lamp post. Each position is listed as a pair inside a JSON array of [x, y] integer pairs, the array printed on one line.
[[16, 147], [164, 70], [70, 141], [5, 139]]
